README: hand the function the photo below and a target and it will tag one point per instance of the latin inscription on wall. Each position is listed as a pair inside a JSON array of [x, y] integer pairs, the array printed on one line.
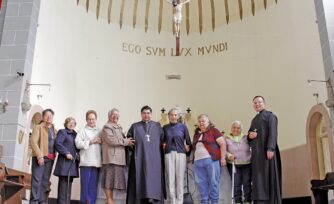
[[137, 49]]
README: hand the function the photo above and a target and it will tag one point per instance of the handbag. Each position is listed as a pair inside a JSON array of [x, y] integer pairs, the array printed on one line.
[[187, 198]]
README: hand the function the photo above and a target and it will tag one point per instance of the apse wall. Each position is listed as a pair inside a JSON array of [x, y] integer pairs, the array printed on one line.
[[94, 65]]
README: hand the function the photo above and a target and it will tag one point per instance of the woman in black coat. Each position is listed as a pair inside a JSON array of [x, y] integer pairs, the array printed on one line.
[[67, 163]]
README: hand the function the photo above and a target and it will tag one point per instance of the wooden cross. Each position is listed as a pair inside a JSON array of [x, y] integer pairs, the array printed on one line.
[[178, 45], [0, 5], [178, 39]]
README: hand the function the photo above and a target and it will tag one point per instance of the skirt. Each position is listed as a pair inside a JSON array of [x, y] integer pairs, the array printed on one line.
[[113, 177]]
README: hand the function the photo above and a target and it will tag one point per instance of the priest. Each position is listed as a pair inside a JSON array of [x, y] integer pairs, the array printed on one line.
[[266, 161], [146, 171]]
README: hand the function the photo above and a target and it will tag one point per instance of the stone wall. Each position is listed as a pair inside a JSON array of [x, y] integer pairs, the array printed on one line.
[[18, 27]]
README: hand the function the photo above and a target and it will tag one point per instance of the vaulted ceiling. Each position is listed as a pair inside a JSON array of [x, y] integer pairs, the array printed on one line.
[[156, 15]]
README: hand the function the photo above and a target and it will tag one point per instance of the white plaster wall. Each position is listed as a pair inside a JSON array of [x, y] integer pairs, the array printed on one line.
[[272, 54]]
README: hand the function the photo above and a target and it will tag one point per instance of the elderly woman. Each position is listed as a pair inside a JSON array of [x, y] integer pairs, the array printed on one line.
[[238, 152], [67, 162], [113, 155], [88, 141], [176, 144], [209, 154], [43, 151]]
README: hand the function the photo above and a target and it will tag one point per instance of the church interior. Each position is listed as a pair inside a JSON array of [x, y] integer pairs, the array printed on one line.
[[76, 55]]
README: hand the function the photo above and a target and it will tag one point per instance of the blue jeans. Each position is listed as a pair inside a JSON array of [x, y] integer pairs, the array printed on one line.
[[89, 178], [207, 178]]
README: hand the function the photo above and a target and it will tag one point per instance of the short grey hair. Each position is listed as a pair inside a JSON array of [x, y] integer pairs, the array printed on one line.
[[174, 109], [205, 116], [112, 111], [238, 123]]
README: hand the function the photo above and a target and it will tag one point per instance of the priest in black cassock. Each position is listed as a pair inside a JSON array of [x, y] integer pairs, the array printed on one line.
[[146, 172], [266, 160]]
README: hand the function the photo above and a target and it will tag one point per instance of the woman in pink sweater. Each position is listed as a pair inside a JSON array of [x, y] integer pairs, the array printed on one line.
[[238, 152]]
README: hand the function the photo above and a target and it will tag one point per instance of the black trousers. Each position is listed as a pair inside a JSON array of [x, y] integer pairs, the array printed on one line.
[[64, 190], [40, 178], [242, 182]]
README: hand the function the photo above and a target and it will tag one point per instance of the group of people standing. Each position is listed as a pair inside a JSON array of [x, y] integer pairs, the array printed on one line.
[[157, 158]]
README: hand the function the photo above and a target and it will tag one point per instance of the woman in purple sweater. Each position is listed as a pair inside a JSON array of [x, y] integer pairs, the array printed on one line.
[[238, 152]]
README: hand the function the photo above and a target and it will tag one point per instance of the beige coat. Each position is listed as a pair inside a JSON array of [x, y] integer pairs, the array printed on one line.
[[39, 140], [113, 144]]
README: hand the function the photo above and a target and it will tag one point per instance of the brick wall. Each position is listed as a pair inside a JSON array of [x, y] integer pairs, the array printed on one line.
[[18, 27]]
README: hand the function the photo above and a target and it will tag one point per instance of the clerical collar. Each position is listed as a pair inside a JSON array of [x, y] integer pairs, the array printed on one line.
[[261, 110]]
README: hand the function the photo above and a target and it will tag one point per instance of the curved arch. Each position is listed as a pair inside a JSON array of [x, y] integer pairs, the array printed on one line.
[[35, 109], [318, 114]]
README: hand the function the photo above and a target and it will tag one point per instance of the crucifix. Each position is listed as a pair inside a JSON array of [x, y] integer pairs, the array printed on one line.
[[147, 137], [147, 130], [177, 18]]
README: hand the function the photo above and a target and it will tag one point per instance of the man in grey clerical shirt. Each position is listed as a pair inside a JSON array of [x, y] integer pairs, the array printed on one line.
[[146, 171]]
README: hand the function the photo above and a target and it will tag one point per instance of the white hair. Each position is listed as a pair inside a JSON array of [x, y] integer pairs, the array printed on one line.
[[112, 112], [174, 109], [205, 116], [238, 123], [202, 116]]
